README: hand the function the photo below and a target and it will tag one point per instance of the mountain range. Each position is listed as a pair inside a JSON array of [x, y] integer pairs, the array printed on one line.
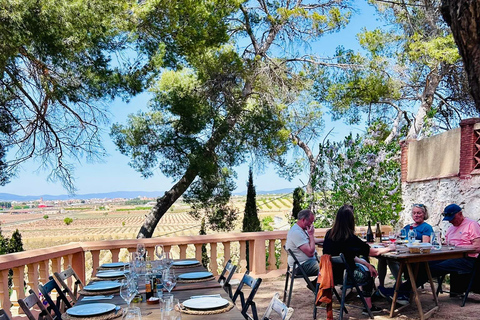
[[112, 195]]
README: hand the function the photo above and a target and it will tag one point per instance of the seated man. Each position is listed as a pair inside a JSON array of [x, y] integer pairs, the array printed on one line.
[[301, 240], [464, 233]]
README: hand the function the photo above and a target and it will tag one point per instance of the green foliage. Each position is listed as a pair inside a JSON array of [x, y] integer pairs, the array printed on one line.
[[266, 223], [68, 221], [363, 172], [298, 202], [134, 202], [45, 217], [123, 223], [5, 204]]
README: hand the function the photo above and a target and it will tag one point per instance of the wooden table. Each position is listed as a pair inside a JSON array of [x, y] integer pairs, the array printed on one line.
[[406, 259], [182, 291]]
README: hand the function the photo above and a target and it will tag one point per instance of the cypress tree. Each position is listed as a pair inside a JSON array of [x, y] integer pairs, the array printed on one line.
[[205, 258], [251, 223], [298, 203]]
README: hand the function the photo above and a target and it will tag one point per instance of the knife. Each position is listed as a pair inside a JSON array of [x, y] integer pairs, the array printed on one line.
[[207, 296]]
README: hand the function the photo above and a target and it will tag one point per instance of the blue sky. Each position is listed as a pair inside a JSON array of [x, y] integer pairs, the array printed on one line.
[[115, 174]]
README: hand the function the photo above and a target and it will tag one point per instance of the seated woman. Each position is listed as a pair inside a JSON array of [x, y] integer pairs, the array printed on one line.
[[423, 231], [342, 239]]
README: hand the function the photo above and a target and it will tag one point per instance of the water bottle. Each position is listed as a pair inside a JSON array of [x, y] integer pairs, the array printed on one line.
[[411, 235]]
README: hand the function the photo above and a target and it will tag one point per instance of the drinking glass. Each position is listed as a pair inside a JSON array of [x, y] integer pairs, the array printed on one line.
[[451, 244], [436, 241], [166, 307], [403, 234], [141, 250], [167, 260], [392, 235], [128, 290], [133, 313], [169, 280], [159, 250]]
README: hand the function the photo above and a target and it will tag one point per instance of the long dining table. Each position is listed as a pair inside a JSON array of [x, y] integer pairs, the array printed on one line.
[[181, 291], [409, 260]]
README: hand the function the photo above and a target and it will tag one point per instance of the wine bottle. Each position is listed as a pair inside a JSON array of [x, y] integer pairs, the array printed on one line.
[[369, 233], [378, 233]]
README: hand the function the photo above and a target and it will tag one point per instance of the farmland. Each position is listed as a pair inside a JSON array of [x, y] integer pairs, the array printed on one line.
[[44, 227]]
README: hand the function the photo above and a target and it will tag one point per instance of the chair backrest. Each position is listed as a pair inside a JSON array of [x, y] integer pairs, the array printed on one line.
[[279, 307], [62, 303], [31, 301], [254, 284], [63, 278], [226, 276], [4, 315]]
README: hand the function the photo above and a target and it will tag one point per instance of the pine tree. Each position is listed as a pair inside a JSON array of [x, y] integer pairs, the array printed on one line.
[[15, 244], [251, 223], [298, 196]]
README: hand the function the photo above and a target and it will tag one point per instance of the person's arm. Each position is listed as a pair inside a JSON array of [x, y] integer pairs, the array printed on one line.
[[319, 241], [426, 238], [309, 248], [475, 245], [378, 251]]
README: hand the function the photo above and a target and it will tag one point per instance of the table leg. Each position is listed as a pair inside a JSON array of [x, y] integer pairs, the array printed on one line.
[[411, 274], [429, 274], [397, 287]]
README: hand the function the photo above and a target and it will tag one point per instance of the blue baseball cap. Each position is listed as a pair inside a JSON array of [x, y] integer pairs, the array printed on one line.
[[450, 211]]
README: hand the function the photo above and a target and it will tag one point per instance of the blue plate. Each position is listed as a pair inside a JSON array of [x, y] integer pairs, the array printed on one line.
[[114, 265], [91, 309], [195, 275], [102, 285]]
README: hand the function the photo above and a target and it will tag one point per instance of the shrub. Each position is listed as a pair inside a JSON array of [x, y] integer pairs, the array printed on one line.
[[45, 217], [68, 220]]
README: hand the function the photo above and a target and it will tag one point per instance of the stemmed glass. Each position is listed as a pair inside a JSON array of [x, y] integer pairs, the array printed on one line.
[[169, 280], [128, 290], [141, 250], [159, 251], [167, 259], [392, 235]]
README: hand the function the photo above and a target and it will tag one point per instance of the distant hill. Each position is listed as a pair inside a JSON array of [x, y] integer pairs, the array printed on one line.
[[112, 195]]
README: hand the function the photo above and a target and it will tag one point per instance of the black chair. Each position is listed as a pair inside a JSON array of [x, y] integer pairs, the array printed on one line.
[[4, 315], [254, 284], [462, 283], [295, 271], [348, 282], [61, 304], [226, 276], [32, 301]]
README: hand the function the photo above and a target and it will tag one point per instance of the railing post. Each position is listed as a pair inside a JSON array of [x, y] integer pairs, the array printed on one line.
[[115, 254], [226, 251], [18, 291], [257, 259], [78, 264], [151, 253], [33, 277], [243, 256], [183, 251], [95, 260], [283, 255], [43, 271], [4, 292], [57, 264], [198, 251], [213, 258], [272, 259]]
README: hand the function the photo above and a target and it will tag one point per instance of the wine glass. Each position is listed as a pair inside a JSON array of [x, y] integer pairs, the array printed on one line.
[[128, 290], [159, 251], [167, 259], [169, 280], [392, 236], [141, 250]]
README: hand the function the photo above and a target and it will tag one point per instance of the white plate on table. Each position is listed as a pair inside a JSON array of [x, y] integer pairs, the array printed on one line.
[[91, 309], [110, 274], [185, 263], [205, 303], [195, 275], [114, 265], [102, 285]]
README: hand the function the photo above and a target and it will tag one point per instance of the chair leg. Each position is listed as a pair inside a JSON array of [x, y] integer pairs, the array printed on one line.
[[292, 278], [285, 290], [440, 284], [364, 301], [469, 288], [342, 301], [339, 298]]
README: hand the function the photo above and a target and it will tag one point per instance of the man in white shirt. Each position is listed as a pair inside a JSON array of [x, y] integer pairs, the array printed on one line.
[[301, 240]]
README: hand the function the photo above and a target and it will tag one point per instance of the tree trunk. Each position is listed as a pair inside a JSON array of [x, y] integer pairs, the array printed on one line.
[[165, 202], [463, 17], [312, 163]]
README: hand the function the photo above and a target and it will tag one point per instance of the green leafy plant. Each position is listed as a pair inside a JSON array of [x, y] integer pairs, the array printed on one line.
[[45, 217], [68, 221]]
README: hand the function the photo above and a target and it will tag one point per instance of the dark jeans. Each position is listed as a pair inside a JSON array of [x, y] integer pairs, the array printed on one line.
[[363, 279], [440, 268]]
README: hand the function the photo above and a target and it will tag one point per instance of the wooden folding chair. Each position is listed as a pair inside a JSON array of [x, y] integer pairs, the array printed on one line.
[[294, 271], [254, 284], [63, 277], [29, 303], [278, 307], [62, 303], [226, 276]]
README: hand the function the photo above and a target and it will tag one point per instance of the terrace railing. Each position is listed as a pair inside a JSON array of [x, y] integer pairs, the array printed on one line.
[[33, 267]]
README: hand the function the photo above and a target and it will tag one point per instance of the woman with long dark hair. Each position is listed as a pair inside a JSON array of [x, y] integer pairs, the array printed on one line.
[[342, 239]]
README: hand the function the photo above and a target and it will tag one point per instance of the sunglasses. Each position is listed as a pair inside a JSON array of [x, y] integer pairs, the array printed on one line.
[[419, 205]]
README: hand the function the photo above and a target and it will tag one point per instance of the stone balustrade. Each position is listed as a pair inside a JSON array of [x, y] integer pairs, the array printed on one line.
[[33, 267]]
